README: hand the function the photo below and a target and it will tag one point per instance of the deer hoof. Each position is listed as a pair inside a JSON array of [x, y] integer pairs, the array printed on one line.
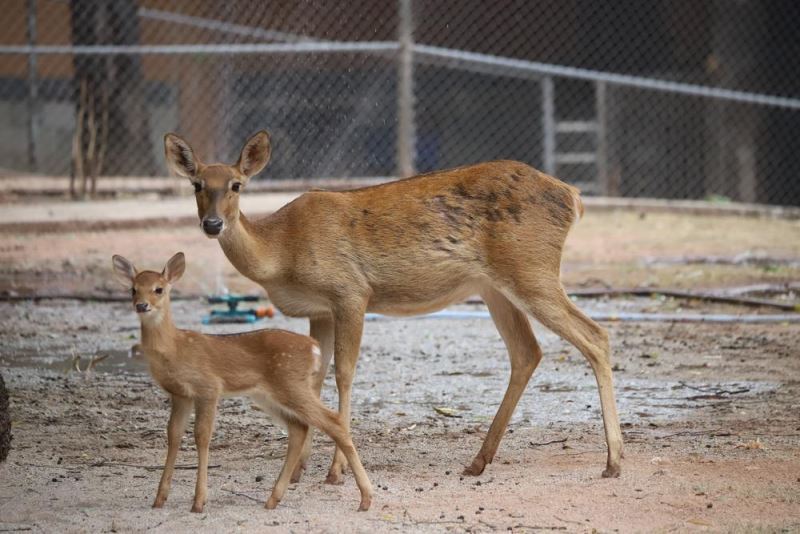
[[272, 503], [365, 504], [477, 467], [611, 472], [334, 478], [297, 473]]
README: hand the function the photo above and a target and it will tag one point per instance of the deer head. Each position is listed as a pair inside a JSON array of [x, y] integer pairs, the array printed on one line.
[[149, 289], [217, 186]]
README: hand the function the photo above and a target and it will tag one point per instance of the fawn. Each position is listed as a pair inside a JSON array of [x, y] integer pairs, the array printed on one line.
[[272, 367], [408, 247]]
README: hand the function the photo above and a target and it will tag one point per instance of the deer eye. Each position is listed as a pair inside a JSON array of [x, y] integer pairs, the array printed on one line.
[[197, 187], [235, 187], [133, 291], [159, 290]]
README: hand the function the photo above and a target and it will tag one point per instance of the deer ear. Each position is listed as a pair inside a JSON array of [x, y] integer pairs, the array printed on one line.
[[174, 268], [124, 271], [180, 157], [255, 154]]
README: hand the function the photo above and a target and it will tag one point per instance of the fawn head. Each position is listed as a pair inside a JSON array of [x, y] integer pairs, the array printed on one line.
[[217, 186], [149, 289]]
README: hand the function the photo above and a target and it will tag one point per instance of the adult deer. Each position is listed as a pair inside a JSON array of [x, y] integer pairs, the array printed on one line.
[[410, 247]]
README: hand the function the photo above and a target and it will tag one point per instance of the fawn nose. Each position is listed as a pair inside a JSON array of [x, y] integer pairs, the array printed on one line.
[[212, 225], [142, 307]]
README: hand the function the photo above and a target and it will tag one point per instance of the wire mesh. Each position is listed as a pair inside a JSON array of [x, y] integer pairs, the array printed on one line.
[[668, 99]]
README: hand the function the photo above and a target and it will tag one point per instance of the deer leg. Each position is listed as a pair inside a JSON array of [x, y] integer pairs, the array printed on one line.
[[179, 415], [348, 326], [297, 436], [553, 308], [525, 355], [322, 331], [335, 428], [204, 413]]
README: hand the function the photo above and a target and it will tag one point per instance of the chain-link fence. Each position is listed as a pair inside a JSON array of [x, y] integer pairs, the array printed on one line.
[[668, 98]]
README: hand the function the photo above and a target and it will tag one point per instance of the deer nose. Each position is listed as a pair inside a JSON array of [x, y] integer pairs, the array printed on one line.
[[142, 307], [212, 225]]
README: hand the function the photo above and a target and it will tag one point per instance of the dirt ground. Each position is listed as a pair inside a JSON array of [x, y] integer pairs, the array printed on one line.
[[709, 411]]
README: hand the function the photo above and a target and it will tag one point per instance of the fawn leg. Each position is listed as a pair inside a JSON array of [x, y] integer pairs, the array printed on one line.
[[204, 412], [332, 424], [297, 437], [181, 407], [322, 331]]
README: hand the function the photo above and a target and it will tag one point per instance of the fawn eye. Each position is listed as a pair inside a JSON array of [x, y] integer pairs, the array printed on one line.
[[133, 291], [197, 187], [159, 290], [235, 187]]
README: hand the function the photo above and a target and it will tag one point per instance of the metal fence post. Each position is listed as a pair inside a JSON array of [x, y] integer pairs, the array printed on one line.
[[33, 90], [602, 141], [406, 137], [548, 126]]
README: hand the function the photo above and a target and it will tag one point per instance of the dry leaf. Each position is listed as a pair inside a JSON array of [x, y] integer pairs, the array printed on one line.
[[447, 412]]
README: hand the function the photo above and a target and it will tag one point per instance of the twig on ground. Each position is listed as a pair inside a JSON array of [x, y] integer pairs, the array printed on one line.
[[709, 433], [568, 521], [719, 395], [591, 451], [94, 361], [540, 527], [710, 392], [532, 444], [243, 495], [103, 463]]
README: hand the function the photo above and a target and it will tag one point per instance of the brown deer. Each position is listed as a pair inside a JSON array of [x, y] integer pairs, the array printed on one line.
[[275, 368], [409, 247]]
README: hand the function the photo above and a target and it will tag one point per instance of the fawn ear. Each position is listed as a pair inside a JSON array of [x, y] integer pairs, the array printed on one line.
[[124, 271], [180, 157], [255, 154], [174, 268]]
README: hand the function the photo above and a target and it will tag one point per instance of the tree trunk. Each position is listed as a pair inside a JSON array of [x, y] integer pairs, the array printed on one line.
[[128, 114], [112, 130], [5, 422]]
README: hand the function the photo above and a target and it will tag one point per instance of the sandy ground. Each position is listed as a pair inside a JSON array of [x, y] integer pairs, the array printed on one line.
[[709, 411], [621, 249]]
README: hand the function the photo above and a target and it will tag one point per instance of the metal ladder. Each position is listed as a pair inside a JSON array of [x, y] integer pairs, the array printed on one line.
[[551, 128]]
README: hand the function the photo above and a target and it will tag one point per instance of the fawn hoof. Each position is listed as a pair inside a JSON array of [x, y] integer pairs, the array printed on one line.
[[197, 508], [477, 467], [271, 503], [365, 504], [297, 473], [335, 474], [334, 478], [612, 471], [159, 502]]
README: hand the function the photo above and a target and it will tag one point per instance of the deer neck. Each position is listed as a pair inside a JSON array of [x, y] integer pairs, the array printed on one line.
[[159, 333], [253, 248]]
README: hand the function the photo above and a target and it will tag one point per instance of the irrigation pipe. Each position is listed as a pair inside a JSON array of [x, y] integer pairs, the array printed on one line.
[[480, 314], [623, 317]]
